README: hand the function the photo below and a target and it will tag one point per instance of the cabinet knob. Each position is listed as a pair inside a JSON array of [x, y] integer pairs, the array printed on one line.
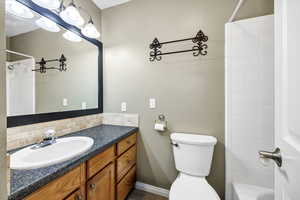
[[93, 186], [78, 197]]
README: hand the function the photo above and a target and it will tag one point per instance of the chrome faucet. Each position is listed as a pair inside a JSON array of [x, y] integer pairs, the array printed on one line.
[[48, 139]]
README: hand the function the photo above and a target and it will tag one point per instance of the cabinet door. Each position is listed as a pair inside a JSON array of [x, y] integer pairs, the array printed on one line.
[[102, 185]]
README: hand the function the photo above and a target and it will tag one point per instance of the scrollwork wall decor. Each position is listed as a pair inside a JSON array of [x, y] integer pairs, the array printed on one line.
[[155, 54], [199, 49], [43, 68]]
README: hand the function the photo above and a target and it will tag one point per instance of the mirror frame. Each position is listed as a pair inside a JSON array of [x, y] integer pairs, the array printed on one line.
[[22, 120]]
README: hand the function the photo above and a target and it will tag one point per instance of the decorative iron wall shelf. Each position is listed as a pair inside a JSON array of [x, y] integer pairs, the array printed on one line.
[[199, 49], [43, 69]]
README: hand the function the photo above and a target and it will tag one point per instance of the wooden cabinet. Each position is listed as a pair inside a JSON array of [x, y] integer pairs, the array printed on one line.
[[109, 175], [98, 162], [126, 184], [126, 166], [125, 162], [126, 144], [60, 188], [102, 186], [77, 195]]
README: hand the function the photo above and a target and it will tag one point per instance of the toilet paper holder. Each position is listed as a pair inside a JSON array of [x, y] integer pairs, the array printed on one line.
[[161, 120]]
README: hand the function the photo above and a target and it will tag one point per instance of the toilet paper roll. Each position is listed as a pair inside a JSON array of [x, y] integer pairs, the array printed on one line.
[[159, 127], [265, 162]]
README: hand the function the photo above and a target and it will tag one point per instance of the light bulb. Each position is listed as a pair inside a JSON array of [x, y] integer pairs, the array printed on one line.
[[49, 4], [90, 30], [68, 35], [15, 8], [47, 24], [72, 16]]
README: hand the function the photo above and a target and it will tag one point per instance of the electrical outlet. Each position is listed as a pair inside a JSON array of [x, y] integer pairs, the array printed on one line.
[[123, 106], [152, 103], [65, 102], [83, 105]]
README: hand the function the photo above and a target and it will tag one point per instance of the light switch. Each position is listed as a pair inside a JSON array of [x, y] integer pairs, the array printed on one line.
[[152, 103], [83, 105], [123, 106], [65, 102]]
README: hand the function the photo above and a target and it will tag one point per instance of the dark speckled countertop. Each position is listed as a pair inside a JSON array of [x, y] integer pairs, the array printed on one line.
[[25, 182]]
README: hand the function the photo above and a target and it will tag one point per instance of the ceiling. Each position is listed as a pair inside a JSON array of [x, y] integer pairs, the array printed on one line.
[[16, 26], [103, 4]]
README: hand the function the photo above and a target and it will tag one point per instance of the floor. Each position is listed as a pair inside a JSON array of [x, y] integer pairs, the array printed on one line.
[[140, 195]]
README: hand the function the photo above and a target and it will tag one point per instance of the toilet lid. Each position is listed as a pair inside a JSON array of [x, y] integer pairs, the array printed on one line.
[[192, 188]]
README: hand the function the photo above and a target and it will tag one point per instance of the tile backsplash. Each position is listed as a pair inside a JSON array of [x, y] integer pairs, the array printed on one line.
[[121, 119], [24, 135]]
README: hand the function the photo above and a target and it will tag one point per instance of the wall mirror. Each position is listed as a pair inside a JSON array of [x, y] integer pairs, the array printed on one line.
[[53, 71]]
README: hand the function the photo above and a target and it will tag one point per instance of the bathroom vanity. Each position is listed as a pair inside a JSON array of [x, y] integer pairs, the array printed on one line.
[[59, 65], [106, 172]]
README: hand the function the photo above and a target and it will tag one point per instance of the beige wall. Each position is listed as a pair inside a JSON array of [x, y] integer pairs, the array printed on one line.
[[189, 90], [3, 184]]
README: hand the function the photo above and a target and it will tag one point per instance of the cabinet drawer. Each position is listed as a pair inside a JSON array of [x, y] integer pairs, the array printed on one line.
[[60, 188], [77, 195], [126, 144], [98, 162], [126, 184], [126, 162]]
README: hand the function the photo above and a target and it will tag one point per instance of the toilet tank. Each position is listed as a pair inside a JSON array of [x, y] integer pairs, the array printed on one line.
[[193, 153]]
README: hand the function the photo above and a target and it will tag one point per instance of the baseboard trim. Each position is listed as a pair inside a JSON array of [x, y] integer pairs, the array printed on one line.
[[152, 189]]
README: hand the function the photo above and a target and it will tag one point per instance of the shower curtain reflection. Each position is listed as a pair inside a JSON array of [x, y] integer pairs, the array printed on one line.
[[20, 87]]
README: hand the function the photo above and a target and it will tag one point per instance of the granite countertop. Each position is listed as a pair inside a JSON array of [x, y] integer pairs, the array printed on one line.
[[25, 182]]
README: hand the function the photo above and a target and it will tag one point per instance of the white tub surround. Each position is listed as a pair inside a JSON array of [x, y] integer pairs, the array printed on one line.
[[249, 79], [251, 192]]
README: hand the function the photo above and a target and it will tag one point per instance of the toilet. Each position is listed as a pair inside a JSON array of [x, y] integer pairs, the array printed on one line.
[[193, 156]]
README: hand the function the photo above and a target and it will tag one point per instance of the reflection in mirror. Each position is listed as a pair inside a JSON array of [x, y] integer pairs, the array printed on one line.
[[49, 69]]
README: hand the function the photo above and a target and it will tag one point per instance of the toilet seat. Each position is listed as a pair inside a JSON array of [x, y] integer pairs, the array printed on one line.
[[188, 187]]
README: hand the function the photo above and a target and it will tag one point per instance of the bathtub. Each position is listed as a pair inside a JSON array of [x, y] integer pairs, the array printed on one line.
[[251, 192]]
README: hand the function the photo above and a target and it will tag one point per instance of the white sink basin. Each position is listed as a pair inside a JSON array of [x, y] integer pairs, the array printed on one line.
[[64, 149]]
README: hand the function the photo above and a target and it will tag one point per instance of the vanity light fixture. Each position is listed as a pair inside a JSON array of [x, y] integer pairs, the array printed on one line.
[[71, 14], [49, 4], [15, 8], [47, 24], [68, 35], [90, 30]]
